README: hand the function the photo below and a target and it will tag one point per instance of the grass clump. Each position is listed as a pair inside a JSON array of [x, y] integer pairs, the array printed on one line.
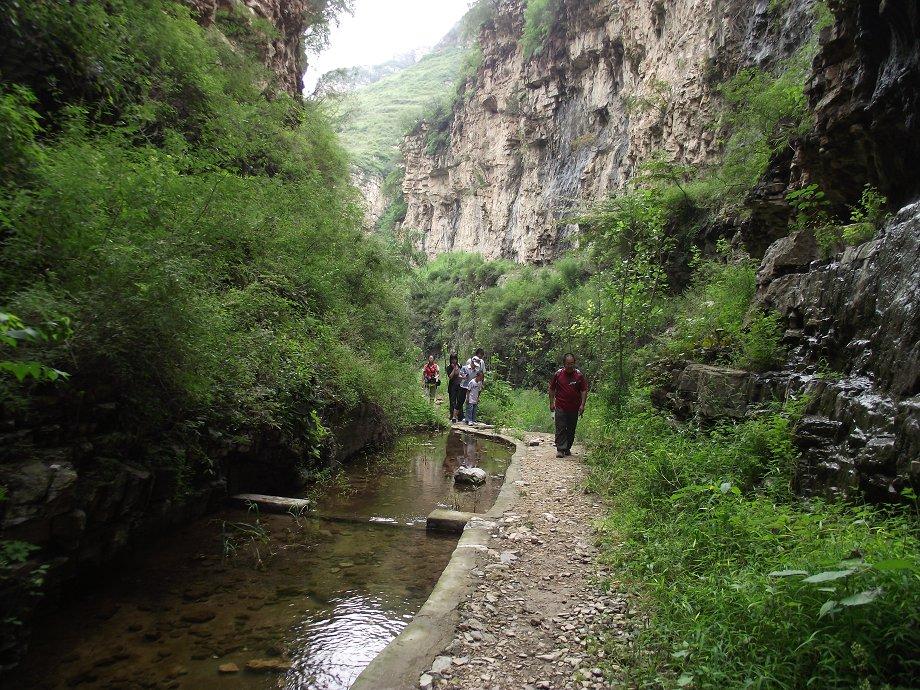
[[521, 409], [745, 584], [715, 321], [538, 20]]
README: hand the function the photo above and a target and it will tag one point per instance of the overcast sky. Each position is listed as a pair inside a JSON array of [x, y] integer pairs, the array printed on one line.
[[381, 29]]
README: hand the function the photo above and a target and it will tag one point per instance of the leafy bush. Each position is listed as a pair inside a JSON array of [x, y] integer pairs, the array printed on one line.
[[745, 585], [201, 239], [813, 213], [538, 19]]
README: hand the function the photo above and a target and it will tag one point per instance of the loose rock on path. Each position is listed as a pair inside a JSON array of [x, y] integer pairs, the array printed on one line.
[[536, 610]]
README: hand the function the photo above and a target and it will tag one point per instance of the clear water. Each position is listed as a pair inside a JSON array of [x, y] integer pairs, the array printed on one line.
[[318, 598]]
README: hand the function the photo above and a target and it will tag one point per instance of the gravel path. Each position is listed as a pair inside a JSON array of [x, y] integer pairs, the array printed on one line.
[[535, 614]]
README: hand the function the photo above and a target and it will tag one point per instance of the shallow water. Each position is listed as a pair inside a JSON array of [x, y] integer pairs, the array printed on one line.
[[319, 599]]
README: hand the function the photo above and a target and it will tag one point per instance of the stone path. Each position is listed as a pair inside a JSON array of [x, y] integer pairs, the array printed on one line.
[[535, 613]]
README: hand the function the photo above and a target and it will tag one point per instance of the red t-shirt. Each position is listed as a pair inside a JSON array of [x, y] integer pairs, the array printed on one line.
[[567, 389]]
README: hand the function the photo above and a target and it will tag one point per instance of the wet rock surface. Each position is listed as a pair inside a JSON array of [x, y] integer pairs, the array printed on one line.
[[865, 96], [852, 329], [536, 612]]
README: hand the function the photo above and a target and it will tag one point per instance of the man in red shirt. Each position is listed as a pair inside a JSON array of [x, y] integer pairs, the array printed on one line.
[[568, 390]]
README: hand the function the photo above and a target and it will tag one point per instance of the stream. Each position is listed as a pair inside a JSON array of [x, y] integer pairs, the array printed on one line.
[[287, 601]]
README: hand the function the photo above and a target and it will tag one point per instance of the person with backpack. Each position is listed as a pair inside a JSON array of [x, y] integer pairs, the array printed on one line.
[[432, 376], [568, 391]]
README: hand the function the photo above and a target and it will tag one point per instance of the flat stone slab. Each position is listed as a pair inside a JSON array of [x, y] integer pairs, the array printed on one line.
[[272, 504], [442, 520]]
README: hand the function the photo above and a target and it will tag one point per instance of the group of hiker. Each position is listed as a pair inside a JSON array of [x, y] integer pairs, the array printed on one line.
[[568, 391], [464, 384]]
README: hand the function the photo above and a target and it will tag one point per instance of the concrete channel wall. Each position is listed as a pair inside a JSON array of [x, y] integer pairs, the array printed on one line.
[[402, 662]]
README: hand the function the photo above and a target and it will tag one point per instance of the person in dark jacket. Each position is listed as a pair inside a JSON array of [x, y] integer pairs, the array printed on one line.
[[453, 387], [568, 391]]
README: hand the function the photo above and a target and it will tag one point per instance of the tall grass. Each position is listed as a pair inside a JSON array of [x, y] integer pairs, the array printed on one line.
[[744, 584]]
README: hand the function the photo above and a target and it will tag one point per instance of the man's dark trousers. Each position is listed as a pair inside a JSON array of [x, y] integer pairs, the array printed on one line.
[[565, 430]]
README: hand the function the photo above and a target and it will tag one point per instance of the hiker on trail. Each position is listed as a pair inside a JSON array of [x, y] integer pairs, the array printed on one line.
[[432, 374], [568, 390], [477, 362], [466, 376], [453, 387], [472, 397]]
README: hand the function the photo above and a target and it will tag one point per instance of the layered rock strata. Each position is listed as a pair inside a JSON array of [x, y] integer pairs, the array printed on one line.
[[284, 53], [852, 330], [615, 83]]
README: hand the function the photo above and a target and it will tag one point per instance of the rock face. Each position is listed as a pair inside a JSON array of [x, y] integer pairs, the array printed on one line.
[[865, 96], [859, 315], [284, 55], [615, 83], [853, 331], [371, 188]]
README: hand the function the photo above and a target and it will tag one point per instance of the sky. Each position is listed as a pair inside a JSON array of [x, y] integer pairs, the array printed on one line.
[[381, 29]]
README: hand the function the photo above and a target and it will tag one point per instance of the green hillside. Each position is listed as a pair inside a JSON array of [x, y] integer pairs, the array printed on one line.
[[378, 115]]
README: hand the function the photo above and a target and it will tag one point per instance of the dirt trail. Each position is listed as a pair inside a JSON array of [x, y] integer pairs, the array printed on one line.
[[533, 614]]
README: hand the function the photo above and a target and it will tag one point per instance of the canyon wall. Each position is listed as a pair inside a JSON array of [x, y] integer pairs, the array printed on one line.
[[615, 82], [284, 53]]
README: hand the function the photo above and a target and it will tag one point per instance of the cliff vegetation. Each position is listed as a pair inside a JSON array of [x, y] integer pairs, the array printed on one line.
[[182, 269], [745, 582]]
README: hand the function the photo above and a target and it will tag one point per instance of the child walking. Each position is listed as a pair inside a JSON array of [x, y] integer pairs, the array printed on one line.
[[472, 397]]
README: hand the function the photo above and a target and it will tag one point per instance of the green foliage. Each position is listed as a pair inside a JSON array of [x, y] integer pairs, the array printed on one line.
[[814, 213], [480, 12], [714, 320], [539, 16], [764, 114], [13, 332], [202, 239], [378, 115], [520, 409], [461, 301], [19, 125], [746, 585]]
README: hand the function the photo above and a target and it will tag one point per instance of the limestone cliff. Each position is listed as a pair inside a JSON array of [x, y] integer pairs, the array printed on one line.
[[615, 82], [283, 54]]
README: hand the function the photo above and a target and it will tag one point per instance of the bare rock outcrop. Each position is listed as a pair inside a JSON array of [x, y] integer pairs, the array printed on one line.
[[283, 54], [614, 84]]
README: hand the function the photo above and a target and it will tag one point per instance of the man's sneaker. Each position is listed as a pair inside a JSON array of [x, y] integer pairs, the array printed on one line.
[[568, 452], [560, 454]]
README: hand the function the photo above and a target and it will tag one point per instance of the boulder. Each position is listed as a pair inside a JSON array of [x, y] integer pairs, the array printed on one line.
[[471, 476], [715, 392], [792, 254]]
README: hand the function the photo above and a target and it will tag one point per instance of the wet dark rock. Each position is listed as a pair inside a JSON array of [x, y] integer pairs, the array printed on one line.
[[853, 336], [865, 96], [715, 391], [792, 254], [198, 616]]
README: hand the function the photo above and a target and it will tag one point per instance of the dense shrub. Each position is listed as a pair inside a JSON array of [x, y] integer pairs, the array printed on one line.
[[704, 528], [461, 301], [195, 227]]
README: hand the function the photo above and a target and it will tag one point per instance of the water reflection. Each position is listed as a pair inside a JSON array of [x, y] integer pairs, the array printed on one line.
[[323, 601], [333, 649]]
